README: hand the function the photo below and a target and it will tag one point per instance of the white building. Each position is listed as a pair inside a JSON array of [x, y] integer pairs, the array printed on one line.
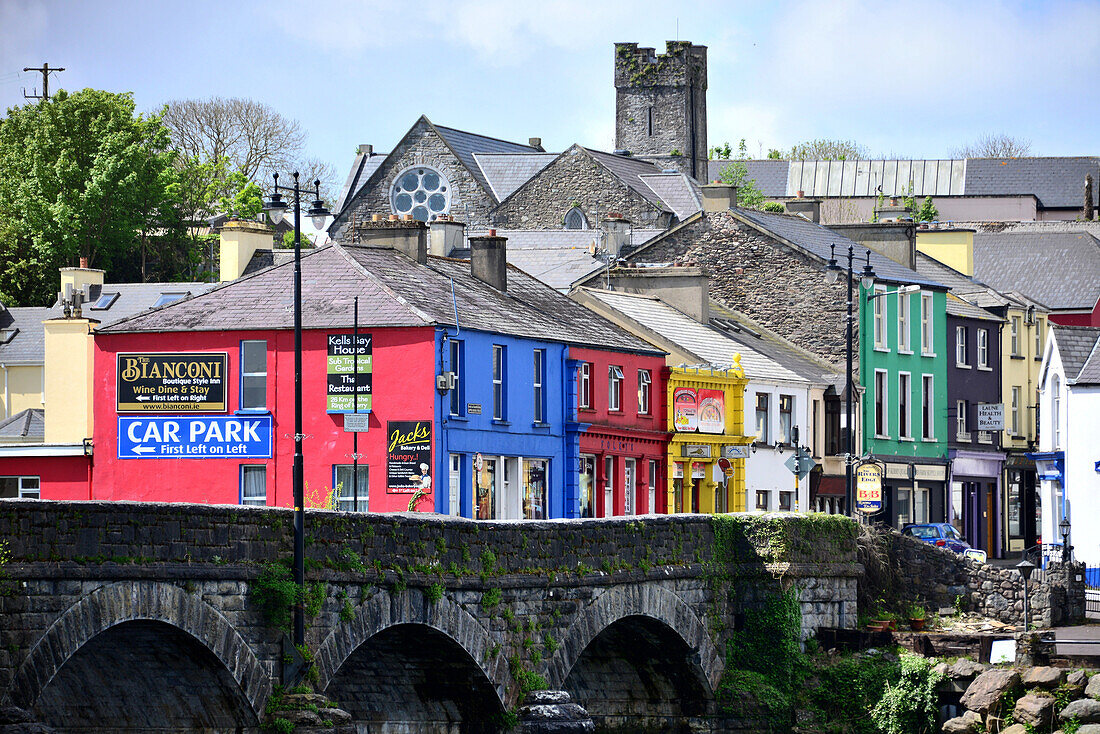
[[1068, 460]]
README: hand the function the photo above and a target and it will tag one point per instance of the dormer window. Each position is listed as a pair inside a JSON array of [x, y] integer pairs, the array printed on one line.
[[166, 298], [575, 219], [6, 335], [104, 302], [422, 192]]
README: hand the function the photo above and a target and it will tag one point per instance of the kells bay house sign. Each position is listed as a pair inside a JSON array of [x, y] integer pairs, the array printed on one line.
[[346, 380], [171, 382]]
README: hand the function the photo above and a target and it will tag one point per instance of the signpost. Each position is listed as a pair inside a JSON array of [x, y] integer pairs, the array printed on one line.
[[800, 463], [991, 416], [170, 382], [869, 487], [186, 437], [346, 379]]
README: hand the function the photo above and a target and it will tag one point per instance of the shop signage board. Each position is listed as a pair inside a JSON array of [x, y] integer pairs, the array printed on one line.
[[342, 386], [733, 451], [408, 456], [356, 422], [869, 487], [991, 416], [712, 411], [199, 437], [170, 382], [685, 409], [696, 450]]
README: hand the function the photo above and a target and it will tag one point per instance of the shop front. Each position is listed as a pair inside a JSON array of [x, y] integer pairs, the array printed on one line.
[[707, 452], [509, 487], [1023, 509], [977, 506], [914, 493], [620, 472]]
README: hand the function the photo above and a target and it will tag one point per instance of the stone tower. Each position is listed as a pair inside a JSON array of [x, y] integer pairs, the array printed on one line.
[[661, 105]]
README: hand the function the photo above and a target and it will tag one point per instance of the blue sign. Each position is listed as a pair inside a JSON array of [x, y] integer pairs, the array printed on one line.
[[186, 437]]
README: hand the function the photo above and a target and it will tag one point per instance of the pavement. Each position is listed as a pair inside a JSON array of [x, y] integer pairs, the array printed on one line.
[[1089, 632]]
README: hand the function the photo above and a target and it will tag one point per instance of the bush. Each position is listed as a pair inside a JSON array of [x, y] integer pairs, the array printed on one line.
[[909, 706], [776, 207], [276, 594]]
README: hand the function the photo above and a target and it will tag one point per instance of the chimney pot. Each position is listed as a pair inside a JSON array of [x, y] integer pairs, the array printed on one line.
[[492, 233], [393, 217], [719, 197], [84, 263], [366, 150]]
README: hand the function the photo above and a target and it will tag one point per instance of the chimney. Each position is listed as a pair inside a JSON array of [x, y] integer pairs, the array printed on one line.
[[88, 280], [239, 241], [536, 143], [445, 235], [683, 288], [489, 260], [719, 197], [409, 236], [806, 208], [68, 358], [616, 233], [366, 150]]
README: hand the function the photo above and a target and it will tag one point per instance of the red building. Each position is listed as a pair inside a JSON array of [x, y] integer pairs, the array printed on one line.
[[621, 400]]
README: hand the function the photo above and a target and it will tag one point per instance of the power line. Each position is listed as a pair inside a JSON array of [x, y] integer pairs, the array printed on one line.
[[45, 71]]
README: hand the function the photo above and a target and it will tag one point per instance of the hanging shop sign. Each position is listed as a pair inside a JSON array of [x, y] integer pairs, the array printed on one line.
[[869, 487], [712, 411], [187, 437], [991, 416], [734, 451], [685, 409], [171, 382], [408, 456], [342, 386]]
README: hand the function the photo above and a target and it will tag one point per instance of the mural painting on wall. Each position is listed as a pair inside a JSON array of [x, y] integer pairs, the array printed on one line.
[[408, 456], [685, 409], [712, 411]]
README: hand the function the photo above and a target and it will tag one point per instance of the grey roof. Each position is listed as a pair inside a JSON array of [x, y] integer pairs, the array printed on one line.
[[506, 172], [465, 144], [1077, 348], [133, 298], [28, 346], [678, 191], [969, 297], [361, 170], [28, 424], [1058, 269], [712, 346], [964, 309], [1056, 182], [266, 258], [817, 239], [1090, 372], [630, 170], [770, 175], [400, 293]]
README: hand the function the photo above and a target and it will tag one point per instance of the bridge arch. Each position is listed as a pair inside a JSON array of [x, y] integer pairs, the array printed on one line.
[[646, 637], [128, 611], [407, 645]]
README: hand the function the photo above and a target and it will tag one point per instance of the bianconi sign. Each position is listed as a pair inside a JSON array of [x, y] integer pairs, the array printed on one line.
[[170, 382]]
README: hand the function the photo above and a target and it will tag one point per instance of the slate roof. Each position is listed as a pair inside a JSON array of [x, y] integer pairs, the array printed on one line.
[[266, 258], [361, 170], [1077, 346], [1058, 269], [133, 298], [28, 346], [506, 172], [1056, 182], [1090, 372], [817, 239], [713, 347], [630, 170], [678, 191], [466, 144], [966, 296], [400, 293], [26, 425], [770, 175]]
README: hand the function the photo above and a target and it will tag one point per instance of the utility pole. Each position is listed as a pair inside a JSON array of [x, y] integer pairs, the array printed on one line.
[[45, 71]]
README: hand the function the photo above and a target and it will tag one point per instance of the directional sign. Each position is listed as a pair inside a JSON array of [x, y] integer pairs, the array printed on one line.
[[800, 463], [185, 437]]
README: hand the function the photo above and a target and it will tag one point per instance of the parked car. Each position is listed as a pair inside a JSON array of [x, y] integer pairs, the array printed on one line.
[[943, 535]]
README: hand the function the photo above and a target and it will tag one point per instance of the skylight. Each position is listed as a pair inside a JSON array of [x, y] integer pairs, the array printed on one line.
[[104, 301], [6, 335], [166, 298]]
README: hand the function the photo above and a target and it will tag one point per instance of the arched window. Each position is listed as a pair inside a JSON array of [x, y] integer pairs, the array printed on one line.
[[575, 219], [421, 191]]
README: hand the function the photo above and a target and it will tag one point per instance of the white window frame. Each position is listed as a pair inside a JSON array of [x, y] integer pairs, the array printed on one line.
[[961, 420], [1056, 412], [786, 431], [653, 470], [928, 407], [880, 319], [927, 325], [457, 407], [23, 488], [905, 409], [538, 393], [630, 480], [882, 397], [1014, 335], [905, 335], [644, 381], [584, 398], [614, 388], [253, 500], [1038, 338], [246, 375], [983, 349], [763, 428], [500, 379], [960, 347], [608, 485], [345, 495], [1014, 411]]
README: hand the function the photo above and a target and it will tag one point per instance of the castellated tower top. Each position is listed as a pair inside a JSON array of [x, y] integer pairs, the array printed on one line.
[[661, 105]]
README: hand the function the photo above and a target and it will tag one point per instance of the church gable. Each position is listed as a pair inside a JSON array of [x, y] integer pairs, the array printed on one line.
[[574, 192], [423, 177]]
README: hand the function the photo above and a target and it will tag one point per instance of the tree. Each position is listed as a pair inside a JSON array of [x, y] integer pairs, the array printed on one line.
[[80, 176], [828, 150], [737, 174], [995, 146]]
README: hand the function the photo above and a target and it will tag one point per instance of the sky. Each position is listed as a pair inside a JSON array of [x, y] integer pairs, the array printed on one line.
[[903, 79]]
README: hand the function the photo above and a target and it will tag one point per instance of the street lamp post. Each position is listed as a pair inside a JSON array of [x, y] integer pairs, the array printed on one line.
[[867, 278], [1067, 549], [1025, 568], [276, 207]]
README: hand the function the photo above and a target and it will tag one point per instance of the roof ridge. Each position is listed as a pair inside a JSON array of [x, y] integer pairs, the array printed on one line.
[[479, 135], [802, 351], [371, 276]]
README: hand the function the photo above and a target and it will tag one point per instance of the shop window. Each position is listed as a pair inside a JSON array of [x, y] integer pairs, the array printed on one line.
[[458, 367], [904, 327], [608, 486], [500, 395], [253, 484], [960, 347], [644, 381], [22, 487], [983, 349], [588, 485], [905, 420], [763, 420], [677, 487], [485, 489], [534, 489], [629, 488], [920, 505], [904, 510], [926, 334], [762, 499], [928, 430], [653, 469], [786, 501], [786, 418], [584, 393], [614, 388], [351, 487], [254, 374], [537, 384], [881, 428]]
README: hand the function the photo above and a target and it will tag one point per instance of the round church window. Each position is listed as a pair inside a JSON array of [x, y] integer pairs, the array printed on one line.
[[422, 192]]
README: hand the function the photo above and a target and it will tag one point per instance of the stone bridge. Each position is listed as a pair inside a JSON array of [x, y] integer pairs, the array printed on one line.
[[152, 617]]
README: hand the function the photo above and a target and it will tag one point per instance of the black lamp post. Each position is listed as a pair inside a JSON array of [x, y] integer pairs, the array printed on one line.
[[867, 278], [1067, 549], [1025, 568], [276, 207]]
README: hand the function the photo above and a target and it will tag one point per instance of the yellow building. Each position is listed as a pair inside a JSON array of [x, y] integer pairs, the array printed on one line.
[[952, 247], [706, 456]]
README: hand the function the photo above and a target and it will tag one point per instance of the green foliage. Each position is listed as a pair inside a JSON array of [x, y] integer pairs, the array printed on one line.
[[529, 681], [347, 611], [314, 598], [841, 691], [241, 198], [276, 594], [434, 593], [737, 174], [491, 598], [675, 151], [927, 212], [910, 705], [775, 154], [721, 152], [1072, 726], [827, 150], [550, 643], [776, 207], [7, 585], [280, 725]]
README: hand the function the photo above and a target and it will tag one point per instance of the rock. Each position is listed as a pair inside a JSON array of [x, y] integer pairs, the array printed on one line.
[[304, 699], [547, 697], [1092, 690], [1041, 677], [964, 668], [1035, 710], [552, 712], [1089, 729], [987, 688], [1087, 711], [968, 723], [941, 669], [1015, 729], [14, 715], [300, 718], [336, 716]]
